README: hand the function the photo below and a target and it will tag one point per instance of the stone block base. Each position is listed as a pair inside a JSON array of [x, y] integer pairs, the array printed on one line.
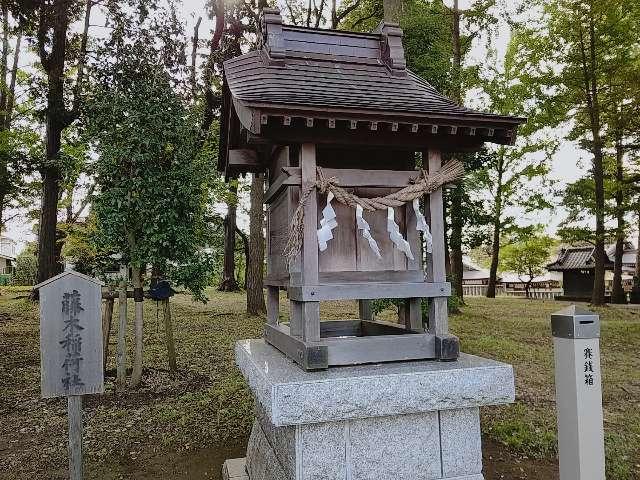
[[435, 445], [402, 421]]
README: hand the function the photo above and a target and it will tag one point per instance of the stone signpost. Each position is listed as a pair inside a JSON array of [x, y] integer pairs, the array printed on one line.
[[71, 360], [576, 333]]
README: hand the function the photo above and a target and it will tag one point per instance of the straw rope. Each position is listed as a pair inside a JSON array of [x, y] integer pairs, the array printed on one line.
[[425, 184]]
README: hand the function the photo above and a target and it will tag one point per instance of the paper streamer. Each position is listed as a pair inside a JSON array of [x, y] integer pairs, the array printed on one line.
[[366, 233], [395, 236], [327, 223], [421, 224]]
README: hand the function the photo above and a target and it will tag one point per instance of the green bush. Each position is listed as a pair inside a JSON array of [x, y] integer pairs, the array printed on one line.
[[26, 269]]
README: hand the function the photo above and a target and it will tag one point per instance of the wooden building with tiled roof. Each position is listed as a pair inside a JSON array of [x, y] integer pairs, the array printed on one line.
[[577, 265], [334, 116]]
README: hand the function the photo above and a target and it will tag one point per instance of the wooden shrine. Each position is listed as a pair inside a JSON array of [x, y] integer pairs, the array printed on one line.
[[339, 126]]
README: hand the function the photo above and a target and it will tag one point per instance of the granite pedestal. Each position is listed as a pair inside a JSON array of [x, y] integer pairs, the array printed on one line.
[[393, 421]]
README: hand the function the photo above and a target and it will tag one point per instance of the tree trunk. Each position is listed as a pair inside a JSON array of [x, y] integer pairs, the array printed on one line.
[[590, 79], [121, 360], [168, 334], [136, 375], [392, 10], [229, 283], [57, 119], [4, 60], [457, 194], [618, 295], [497, 223], [4, 167], [255, 264], [245, 248], [637, 270], [48, 261], [495, 256]]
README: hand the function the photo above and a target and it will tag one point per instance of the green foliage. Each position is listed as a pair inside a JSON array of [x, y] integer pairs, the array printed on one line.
[[79, 247], [152, 177], [26, 268], [527, 256]]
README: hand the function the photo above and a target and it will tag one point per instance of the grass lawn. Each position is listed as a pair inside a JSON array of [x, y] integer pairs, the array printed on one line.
[[183, 426]]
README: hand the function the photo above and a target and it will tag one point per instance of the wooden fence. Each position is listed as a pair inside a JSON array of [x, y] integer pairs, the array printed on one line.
[[502, 291]]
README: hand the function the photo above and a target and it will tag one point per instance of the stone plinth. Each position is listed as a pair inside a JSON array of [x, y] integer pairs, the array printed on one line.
[[394, 421]]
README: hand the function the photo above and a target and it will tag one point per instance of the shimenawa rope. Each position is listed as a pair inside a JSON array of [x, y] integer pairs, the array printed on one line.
[[425, 184]]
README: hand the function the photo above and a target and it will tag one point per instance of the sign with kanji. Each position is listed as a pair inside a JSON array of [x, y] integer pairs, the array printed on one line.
[[70, 335], [576, 334]]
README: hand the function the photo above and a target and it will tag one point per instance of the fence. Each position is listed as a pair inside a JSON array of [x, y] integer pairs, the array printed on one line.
[[501, 291]]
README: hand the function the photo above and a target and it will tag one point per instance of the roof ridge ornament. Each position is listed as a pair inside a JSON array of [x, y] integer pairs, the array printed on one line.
[[271, 39], [391, 49]]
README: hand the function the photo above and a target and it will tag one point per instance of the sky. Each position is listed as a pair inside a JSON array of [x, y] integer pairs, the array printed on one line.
[[567, 164]]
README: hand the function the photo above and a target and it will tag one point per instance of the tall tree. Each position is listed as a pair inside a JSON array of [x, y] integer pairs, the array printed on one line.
[[527, 257], [149, 165], [467, 25], [514, 177], [571, 48], [15, 146], [53, 46]]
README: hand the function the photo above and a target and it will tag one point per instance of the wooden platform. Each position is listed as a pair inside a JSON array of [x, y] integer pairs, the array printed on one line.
[[357, 342]]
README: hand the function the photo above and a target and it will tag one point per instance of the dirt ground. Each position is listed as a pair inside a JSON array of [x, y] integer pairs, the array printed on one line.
[[184, 425]]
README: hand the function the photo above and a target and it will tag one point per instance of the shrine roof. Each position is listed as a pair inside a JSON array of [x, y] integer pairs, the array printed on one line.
[[330, 75], [577, 258]]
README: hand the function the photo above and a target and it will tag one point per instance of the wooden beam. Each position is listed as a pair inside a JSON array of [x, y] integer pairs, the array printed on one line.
[[380, 348], [368, 291], [402, 140], [244, 159], [350, 177], [284, 180]]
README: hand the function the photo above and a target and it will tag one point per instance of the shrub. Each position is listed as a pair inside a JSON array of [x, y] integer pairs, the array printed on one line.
[[26, 269]]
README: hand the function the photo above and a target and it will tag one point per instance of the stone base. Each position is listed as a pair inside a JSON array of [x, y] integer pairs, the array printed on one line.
[[400, 421], [435, 445], [235, 469]]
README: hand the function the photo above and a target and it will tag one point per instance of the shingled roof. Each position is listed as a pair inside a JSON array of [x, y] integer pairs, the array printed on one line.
[[577, 258], [346, 81]]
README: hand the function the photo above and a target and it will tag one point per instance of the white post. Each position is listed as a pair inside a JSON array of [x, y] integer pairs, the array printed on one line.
[[576, 333]]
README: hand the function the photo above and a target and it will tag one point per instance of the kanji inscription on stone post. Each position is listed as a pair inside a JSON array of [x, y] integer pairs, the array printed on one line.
[[576, 334]]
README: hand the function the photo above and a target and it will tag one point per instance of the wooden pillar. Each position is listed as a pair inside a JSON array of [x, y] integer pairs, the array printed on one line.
[[438, 313], [310, 310], [273, 305], [365, 310], [74, 407]]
